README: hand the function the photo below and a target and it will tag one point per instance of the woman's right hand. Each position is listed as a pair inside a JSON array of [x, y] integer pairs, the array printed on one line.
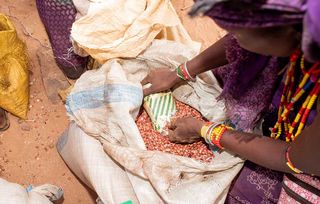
[[160, 79]]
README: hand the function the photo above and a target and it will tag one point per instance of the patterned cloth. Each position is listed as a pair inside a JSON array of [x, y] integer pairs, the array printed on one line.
[[256, 185], [307, 195], [58, 17], [266, 13], [248, 84]]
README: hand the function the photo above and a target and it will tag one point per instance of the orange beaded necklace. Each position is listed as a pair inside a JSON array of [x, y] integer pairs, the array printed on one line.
[[310, 83]]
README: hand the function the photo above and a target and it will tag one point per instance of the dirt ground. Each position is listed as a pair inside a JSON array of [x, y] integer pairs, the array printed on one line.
[[27, 150]]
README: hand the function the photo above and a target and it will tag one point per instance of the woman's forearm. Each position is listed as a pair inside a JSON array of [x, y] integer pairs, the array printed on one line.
[[261, 150], [214, 56]]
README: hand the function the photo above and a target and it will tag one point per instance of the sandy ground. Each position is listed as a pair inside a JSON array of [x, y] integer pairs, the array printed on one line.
[[27, 150]]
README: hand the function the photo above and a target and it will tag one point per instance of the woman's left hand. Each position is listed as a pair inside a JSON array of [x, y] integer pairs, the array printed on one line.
[[185, 130]]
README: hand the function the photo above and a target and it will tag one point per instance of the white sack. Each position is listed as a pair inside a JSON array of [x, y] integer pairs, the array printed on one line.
[[124, 28], [104, 103], [12, 193]]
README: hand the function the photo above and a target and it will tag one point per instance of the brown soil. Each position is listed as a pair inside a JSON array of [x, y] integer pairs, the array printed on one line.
[[27, 150]]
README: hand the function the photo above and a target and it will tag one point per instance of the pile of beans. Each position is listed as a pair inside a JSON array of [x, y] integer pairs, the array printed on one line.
[[155, 141]]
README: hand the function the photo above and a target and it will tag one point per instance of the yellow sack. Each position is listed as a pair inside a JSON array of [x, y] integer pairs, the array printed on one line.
[[14, 83]]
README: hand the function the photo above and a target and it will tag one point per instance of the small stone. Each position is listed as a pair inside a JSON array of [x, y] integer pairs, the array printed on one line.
[[25, 127], [51, 146]]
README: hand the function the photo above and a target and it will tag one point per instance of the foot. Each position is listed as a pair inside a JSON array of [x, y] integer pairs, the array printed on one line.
[[4, 122]]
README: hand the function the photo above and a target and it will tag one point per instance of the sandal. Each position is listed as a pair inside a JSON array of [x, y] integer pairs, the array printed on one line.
[[4, 121]]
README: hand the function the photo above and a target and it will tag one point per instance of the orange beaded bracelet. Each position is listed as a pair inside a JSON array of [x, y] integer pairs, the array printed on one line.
[[290, 164], [212, 133]]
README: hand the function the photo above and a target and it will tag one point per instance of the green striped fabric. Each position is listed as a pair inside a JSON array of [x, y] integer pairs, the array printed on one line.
[[160, 107]]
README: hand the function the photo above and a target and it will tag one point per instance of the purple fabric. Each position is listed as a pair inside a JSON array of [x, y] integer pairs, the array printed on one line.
[[245, 68], [266, 13], [313, 19], [58, 17], [257, 14], [255, 185], [248, 84], [311, 37]]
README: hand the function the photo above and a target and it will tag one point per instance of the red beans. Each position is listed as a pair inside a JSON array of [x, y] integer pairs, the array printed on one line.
[[155, 141]]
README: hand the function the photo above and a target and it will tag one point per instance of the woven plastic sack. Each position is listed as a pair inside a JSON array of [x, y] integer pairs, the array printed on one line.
[[12, 193], [14, 85], [104, 104], [130, 28]]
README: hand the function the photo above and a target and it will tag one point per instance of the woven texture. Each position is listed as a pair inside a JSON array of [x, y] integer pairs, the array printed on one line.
[[58, 17]]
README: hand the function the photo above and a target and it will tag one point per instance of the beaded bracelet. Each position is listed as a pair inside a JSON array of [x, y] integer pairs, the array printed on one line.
[[180, 74], [188, 73], [183, 73], [213, 132], [290, 164], [217, 135]]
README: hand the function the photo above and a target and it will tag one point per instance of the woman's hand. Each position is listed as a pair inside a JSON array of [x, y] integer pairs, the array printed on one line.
[[160, 79], [185, 130]]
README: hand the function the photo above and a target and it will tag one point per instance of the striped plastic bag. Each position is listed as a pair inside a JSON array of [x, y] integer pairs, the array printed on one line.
[[160, 108]]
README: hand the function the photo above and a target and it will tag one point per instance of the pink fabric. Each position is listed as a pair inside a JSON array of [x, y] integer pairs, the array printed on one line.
[[286, 199]]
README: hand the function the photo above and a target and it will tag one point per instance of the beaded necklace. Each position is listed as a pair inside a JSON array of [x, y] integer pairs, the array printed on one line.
[[310, 83]]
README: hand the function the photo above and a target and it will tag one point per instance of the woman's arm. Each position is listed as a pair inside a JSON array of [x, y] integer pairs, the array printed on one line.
[[212, 57], [265, 151], [305, 151], [270, 153], [261, 150]]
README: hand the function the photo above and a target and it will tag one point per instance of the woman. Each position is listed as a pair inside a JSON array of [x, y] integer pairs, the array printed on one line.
[[250, 63]]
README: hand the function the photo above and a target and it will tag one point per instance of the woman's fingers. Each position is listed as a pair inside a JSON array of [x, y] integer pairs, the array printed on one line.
[[148, 91], [173, 136], [173, 123], [146, 80]]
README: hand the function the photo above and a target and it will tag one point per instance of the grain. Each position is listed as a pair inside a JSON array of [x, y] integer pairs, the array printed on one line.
[[157, 142]]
